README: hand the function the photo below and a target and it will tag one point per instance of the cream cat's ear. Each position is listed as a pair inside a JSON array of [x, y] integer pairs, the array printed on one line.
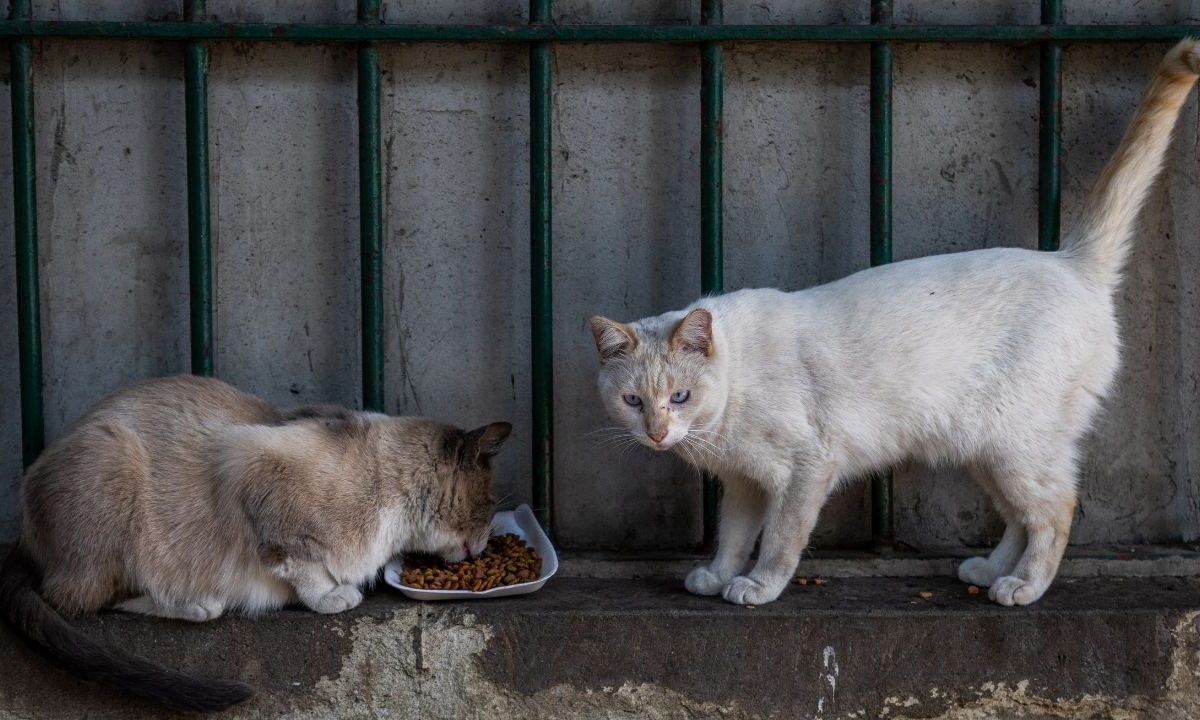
[[486, 441], [612, 338], [694, 333]]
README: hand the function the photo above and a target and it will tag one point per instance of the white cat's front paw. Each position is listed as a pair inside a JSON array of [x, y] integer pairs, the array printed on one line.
[[977, 571], [743, 590], [339, 599], [1012, 590], [702, 581]]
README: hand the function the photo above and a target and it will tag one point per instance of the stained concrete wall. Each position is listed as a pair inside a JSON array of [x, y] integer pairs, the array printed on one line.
[[112, 226]]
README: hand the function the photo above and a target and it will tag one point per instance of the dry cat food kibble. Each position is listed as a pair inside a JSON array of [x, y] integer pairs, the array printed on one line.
[[507, 560]]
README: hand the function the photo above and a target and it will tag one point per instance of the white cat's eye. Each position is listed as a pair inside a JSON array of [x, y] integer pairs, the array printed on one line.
[[632, 400], [681, 396]]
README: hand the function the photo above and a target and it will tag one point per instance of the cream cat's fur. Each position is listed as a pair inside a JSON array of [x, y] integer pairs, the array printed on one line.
[[995, 359], [185, 498]]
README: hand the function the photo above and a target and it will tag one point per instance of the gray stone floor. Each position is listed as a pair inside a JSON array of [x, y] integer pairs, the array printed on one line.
[[625, 648]]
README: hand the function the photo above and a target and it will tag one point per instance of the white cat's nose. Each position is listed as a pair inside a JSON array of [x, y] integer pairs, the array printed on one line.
[[657, 436]]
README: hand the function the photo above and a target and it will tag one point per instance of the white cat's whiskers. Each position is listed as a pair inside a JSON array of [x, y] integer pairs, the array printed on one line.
[[606, 434], [703, 443], [611, 437], [711, 433], [710, 446], [606, 430], [685, 449], [617, 442], [630, 442]]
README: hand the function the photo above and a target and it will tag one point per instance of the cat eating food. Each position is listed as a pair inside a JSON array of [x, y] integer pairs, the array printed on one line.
[[184, 498], [994, 359]]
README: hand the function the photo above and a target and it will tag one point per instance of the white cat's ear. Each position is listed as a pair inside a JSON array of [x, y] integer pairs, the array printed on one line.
[[612, 338], [486, 441], [694, 333]]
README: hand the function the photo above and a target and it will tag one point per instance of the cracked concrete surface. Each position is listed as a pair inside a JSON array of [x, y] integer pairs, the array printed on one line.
[[582, 648]]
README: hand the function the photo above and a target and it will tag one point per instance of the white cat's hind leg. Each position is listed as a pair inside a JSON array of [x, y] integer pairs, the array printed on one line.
[[983, 571], [1033, 574], [1046, 507], [193, 611]]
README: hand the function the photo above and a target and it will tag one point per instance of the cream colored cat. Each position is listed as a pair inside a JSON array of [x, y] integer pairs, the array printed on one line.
[[184, 498], [995, 359]]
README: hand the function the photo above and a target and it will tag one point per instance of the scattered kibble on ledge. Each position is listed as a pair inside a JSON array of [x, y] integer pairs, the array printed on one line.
[[815, 581]]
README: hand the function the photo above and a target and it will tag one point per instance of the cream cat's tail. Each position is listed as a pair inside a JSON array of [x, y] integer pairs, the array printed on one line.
[[51, 636], [1102, 240]]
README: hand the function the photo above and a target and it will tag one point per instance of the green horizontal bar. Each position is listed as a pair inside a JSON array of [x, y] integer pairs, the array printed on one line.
[[357, 32]]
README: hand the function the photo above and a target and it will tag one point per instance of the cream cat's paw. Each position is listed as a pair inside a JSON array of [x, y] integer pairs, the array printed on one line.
[[203, 611], [978, 571], [702, 581], [1012, 590], [339, 599], [744, 590]]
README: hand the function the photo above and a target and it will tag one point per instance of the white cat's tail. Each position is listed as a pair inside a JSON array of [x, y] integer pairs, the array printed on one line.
[[1101, 241]]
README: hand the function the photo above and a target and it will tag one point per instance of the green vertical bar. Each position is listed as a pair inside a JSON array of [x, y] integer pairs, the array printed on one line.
[[539, 275], [25, 226], [712, 279], [882, 529], [199, 229], [370, 214], [1050, 133]]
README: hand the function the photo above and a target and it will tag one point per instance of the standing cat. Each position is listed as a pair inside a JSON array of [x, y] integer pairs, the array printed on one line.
[[184, 498], [996, 359]]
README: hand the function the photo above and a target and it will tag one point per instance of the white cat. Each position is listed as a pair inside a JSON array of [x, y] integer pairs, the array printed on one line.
[[996, 359]]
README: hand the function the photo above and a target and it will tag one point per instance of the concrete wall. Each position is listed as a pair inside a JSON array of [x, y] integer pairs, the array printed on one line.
[[112, 227]]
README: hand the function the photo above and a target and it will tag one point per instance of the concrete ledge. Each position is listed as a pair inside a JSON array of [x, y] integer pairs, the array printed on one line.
[[588, 648], [1080, 562]]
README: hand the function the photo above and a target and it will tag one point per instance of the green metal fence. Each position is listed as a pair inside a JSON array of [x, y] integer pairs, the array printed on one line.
[[541, 32]]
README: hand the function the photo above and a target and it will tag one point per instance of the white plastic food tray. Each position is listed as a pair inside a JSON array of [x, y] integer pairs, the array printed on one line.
[[519, 522]]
